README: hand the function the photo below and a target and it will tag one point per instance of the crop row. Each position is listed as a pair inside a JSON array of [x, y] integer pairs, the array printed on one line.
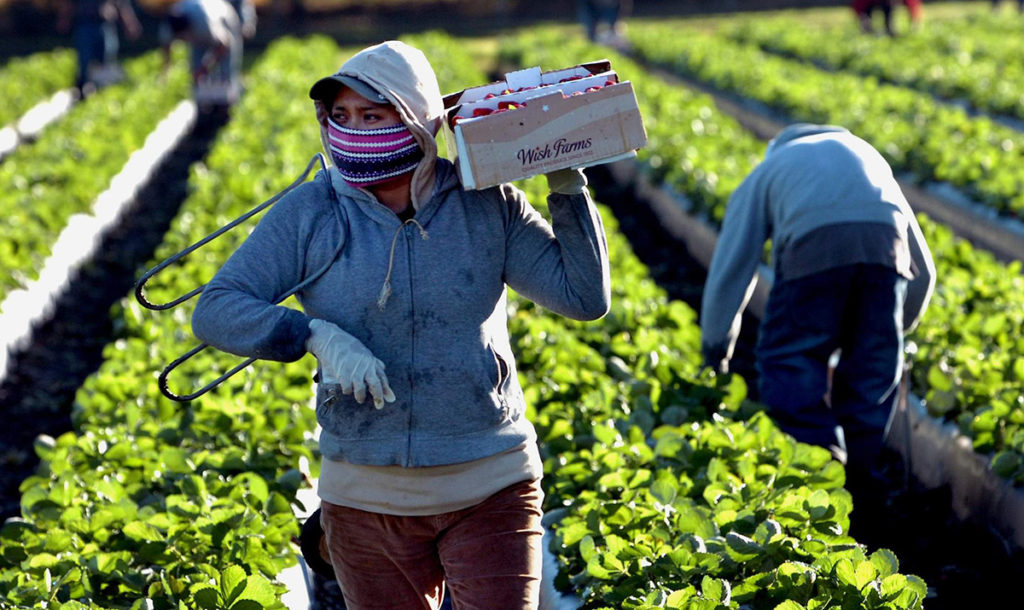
[[44, 184], [974, 60], [151, 503], [25, 81], [932, 141]]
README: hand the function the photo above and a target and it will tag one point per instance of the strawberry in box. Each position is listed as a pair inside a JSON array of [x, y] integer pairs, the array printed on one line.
[[535, 122]]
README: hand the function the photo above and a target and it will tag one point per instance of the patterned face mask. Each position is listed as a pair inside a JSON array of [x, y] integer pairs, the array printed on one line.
[[371, 156]]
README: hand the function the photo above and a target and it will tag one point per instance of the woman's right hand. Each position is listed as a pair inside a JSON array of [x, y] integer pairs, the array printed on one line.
[[345, 361]]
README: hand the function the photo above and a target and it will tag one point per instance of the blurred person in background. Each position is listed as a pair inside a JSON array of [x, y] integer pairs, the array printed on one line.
[[996, 3], [247, 17], [93, 25], [865, 10], [246, 11], [431, 472], [852, 273], [210, 28], [602, 21], [915, 8]]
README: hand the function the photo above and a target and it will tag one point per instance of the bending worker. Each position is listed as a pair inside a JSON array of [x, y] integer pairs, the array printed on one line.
[[852, 273], [209, 27]]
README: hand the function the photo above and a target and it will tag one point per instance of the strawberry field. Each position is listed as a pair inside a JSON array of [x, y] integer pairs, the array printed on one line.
[[666, 486]]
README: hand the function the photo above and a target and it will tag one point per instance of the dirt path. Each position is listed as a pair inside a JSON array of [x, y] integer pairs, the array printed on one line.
[[37, 394]]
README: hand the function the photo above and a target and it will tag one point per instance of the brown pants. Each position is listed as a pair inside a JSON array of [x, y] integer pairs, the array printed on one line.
[[489, 555]]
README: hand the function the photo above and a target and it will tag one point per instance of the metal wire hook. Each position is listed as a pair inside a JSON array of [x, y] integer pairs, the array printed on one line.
[[170, 260], [148, 275]]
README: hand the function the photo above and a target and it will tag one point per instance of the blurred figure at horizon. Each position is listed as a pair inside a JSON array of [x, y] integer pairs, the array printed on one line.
[[996, 3], [93, 25], [602, 21], [213, 31], [246, 11], [916, 10], [865, 9]]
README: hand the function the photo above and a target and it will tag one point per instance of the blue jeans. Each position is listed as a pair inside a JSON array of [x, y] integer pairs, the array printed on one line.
[[592, 13], [95, 41], [857, 309]]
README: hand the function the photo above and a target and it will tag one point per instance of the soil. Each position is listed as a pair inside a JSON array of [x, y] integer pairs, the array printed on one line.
[[39, 389]]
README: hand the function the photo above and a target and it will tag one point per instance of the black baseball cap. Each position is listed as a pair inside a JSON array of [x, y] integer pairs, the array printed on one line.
[[328, 86]]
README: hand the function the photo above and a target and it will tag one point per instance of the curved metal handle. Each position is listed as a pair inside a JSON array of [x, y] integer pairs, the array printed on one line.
[[148, 275], [166, 390]]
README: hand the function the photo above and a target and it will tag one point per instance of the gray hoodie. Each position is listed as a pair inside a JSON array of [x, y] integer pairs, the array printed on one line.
[[812, 176], [443, 332]]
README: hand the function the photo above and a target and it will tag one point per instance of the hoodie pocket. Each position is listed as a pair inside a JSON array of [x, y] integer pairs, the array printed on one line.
[[501, 381]]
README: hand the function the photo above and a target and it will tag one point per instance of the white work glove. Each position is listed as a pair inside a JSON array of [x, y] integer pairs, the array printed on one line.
[[347, 362], [566, 181]]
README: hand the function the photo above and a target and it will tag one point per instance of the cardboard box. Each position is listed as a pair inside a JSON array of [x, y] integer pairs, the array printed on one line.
[[534, 122]]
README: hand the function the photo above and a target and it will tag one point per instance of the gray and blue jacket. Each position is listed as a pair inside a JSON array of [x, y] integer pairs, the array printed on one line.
[[812, 177], [442, 334]]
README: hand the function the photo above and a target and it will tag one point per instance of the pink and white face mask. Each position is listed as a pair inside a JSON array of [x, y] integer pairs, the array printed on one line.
[[371, 156]]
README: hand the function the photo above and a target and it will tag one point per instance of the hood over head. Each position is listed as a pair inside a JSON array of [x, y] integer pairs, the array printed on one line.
[[799, 130], [396, 73]]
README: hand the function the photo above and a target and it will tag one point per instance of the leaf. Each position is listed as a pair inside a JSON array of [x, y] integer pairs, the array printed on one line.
[[886, 562], [817, 504], [597, 570], [767, 530], [140, 530], [206, 597], [892, 585], [845, 572], [678, 599], [43, 560], [572, 533], [259, 590], [15, 527], [742, 547], [606, 435], [291, 480], [938, 379], [664, 491], [715, 589], [865, 574], [277, 504], [1006, 463], [617, 545], [232, 583], [588, 550], [175, 460]]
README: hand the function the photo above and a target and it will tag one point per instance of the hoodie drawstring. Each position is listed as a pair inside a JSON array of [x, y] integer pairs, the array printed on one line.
[[385, 290]]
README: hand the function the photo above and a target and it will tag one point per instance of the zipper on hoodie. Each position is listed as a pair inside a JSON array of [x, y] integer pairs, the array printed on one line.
[[409, 238]]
